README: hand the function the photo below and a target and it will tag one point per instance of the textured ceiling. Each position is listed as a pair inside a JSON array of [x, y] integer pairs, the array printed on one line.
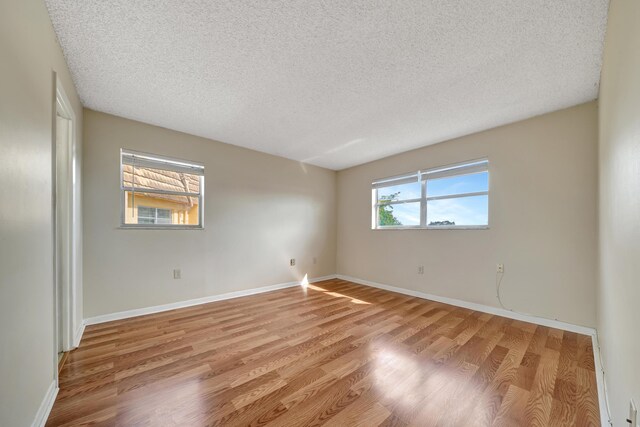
[[332, 83]]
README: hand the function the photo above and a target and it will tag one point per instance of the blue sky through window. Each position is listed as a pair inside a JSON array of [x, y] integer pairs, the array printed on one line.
[[408, 191], [473, 210], [460, 184], [407, 213]]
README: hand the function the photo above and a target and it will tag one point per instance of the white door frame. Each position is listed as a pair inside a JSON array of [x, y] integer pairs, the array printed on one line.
[[68, 290]]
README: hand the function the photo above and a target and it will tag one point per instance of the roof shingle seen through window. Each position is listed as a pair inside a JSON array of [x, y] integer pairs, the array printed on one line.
[[158, 179]]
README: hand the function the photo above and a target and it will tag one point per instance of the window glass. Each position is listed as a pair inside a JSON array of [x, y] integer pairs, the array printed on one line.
[[460, 184], [399, 214], [158, 191], [408, 191], [454, 196], [158, 179], [163, 216], [458, 211], [152, 208]]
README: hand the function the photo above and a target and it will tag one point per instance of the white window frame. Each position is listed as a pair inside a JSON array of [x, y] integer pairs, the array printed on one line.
[[423, 176], [390, 181], [166, 163]]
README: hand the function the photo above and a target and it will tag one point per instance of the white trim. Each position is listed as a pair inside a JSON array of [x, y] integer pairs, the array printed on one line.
[[425, 176], [65, 292], [457, 169], [585, 330], [159, 162], [166, 161], [69, 290], [188, 303], [458, 196], [600, 380], [45, 407], [78, 335], [391, 181]]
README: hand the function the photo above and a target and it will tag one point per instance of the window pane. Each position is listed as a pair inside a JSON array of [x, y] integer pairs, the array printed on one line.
[[399, 214], [399, 192], [163, 213], [145, 212], [458, 211], [159, 179], [151, 208], [163, 216], [460, 184]]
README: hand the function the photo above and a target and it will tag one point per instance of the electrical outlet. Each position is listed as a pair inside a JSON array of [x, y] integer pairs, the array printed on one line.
[[315, 260], [633, 414], [292, 262], [177, 274], [421, 269], [500, 268]]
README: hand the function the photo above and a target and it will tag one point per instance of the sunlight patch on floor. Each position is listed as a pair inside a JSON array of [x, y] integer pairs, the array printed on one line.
[[334, 294]]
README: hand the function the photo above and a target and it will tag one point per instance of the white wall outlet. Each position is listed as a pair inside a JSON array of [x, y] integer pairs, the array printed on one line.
[[177, 273], [633, 414], [292, 262], [500, 268], [315, 260], [420, 269]]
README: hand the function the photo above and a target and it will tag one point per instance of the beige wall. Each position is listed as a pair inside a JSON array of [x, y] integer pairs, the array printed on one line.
[[260, 211], [542, 214], [29, 54], [619, 288]]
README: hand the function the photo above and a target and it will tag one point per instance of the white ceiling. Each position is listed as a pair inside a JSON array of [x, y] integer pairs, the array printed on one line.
[[332, 83]]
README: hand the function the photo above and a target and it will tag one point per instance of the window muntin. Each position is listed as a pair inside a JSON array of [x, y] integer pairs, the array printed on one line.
[[159, 192], [455, 196]]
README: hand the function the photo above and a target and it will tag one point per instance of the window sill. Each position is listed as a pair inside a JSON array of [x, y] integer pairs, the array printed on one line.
[[462, 227], [167, 227]]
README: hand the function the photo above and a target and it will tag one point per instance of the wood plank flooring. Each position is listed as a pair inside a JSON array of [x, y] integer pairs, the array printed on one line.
[[335, 354]]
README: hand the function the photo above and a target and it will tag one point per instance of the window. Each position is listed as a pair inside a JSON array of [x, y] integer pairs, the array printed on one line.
[[148, 215], [455, 196], [160, 192]]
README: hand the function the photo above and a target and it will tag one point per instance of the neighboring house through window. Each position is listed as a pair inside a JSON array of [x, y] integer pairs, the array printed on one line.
[[160, 192]]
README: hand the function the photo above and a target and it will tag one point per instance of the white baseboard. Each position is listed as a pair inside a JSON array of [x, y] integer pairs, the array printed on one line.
[[45, 407], [585, 330], [322, 278], [77, 337], [188, 303]]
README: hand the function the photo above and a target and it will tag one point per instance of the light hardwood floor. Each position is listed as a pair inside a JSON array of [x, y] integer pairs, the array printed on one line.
[[336, 354]]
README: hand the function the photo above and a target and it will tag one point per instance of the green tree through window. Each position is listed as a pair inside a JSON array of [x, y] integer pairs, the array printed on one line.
[[385, 210]]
